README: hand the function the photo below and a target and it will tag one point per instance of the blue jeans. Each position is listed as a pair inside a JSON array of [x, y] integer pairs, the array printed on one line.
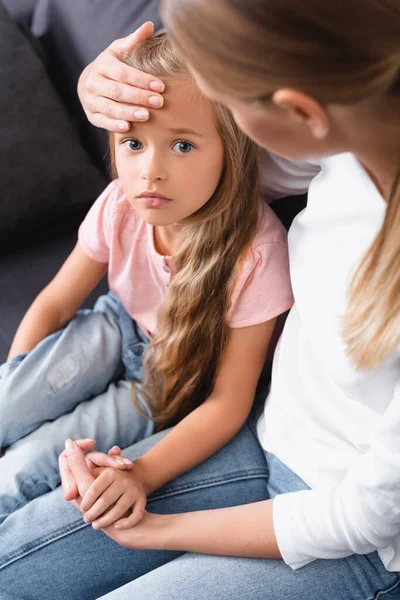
[[70, 385], [48, 553]]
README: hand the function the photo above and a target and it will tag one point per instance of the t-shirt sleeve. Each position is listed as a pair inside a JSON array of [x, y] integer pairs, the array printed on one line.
[[263, 289], [95, 232]]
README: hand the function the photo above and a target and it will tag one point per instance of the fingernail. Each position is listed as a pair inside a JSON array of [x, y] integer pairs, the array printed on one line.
[[157, 86], [156, 101], [123, 126], [141, 114], [127, 461], [95, 525], [118, 526], [119, 460], [69, 446], [86, 520]]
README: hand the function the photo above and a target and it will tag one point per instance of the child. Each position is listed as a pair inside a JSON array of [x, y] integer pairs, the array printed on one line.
[[198, 273]]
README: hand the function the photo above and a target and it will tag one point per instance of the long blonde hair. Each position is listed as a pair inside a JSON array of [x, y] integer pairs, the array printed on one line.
[[340, 51], [186, 348]]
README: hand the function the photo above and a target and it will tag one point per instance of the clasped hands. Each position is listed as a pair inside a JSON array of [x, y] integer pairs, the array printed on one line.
[[109, 491]]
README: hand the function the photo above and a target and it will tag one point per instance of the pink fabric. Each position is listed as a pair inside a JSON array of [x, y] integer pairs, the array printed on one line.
[[138, 275]]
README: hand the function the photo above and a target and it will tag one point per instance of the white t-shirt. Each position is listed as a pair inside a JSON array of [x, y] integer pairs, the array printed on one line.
[[335, 427]]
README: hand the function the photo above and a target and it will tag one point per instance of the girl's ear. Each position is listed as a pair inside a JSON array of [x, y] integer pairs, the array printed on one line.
[[303, 108]]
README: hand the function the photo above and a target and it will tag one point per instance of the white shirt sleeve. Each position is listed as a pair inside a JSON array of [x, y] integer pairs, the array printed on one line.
[[281, 177], [358, 516]]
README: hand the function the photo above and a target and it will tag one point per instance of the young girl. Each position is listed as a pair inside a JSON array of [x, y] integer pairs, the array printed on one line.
[[200, 270]]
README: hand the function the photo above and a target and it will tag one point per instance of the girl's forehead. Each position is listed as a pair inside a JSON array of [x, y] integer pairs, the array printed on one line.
[[185, 110]]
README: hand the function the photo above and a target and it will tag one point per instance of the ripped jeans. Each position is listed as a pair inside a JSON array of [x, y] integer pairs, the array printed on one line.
[[75, 383]]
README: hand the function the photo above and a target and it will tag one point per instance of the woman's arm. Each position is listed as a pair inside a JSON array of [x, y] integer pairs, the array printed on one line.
[[245, 531], [59, 301]]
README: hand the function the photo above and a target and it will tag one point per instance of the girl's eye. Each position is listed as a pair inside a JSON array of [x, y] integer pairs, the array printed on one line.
[[182, 147], [133, 145]]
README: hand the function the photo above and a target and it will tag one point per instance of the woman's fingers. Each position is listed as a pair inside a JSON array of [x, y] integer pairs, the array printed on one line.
[[86, 443], [107, 85], [124, 46], [114, 451], [68, 483], [78, 467], [134, 518]]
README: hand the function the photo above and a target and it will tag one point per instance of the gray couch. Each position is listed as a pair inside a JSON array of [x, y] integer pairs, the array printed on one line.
[[53, 163]]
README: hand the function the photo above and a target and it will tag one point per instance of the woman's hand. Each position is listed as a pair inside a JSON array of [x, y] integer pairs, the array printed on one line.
[[114, 94], [113, 495]]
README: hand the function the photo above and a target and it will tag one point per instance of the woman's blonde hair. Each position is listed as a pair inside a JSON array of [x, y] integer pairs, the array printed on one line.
[[186, 348], [340, 51]]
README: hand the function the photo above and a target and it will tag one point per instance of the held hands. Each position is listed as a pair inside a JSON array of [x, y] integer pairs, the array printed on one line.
[[149, 533], [113, 495], [111, 487], [114, 94]]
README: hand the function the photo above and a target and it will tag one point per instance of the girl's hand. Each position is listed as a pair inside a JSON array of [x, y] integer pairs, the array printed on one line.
[[93, 459], [115, 497], [152, 530], [114, 94]]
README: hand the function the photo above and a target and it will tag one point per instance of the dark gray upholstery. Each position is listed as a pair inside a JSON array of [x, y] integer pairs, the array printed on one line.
[[45, 175], [20, 10], [70, 33], [23, 274]]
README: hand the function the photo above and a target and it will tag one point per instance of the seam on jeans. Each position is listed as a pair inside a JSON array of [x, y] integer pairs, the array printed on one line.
[[42, 542], [78, 524], [381, 595], [209, 482]]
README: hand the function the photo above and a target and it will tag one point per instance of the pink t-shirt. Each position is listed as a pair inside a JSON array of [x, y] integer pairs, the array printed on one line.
[[138, 275]]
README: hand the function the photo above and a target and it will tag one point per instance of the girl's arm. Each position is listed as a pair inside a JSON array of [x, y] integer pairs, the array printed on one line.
[[219, 418], [59, 301], [195, 438]]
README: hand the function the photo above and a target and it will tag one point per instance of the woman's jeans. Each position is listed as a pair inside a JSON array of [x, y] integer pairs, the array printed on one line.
[[47, 552], [73, 384]]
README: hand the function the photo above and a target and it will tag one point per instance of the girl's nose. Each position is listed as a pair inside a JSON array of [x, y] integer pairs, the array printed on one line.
[[153, 169]]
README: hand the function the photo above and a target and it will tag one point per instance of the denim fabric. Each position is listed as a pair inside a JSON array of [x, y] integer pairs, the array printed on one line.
[[47, 552], [68, 386]]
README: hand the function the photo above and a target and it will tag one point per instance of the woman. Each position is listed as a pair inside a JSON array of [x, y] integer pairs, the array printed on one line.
[[308, 84]]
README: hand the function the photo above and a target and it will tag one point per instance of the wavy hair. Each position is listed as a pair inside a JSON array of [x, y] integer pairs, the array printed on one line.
[[339, 52], [186, 348]]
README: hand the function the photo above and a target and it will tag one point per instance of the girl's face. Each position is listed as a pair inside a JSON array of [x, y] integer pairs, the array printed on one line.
[[170, 166]]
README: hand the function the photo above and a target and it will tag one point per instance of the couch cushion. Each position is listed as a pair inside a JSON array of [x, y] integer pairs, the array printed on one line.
[[20, 10], [72, 33], [23, 274], [45, 175]]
